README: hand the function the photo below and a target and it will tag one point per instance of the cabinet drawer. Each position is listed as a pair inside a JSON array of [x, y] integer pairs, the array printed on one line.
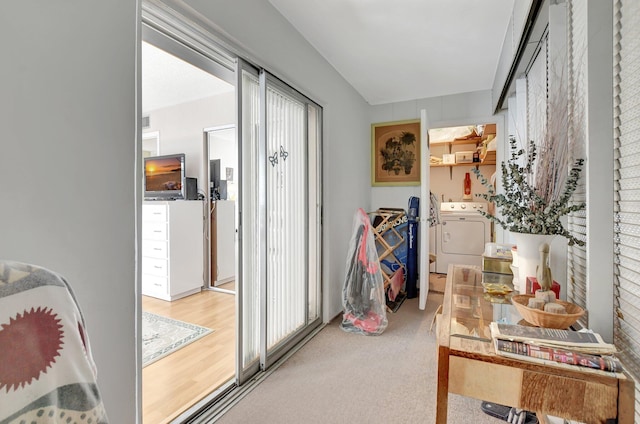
[[157, 267], [154, 213], [154, 230], [155, 249], [153, 285]]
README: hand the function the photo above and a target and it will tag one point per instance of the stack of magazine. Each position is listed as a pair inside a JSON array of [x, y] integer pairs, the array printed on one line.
[[564, 348]]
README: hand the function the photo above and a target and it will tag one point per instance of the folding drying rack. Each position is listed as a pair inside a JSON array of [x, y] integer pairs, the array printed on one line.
[[388, 239]]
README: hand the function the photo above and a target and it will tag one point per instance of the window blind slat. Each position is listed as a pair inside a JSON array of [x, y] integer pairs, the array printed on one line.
[[629, 195], [629, 296], [627, 276], [628, 351], [630, 207], [578, 222], [579, 256], [627, 161], [629, 173], [630, 148]]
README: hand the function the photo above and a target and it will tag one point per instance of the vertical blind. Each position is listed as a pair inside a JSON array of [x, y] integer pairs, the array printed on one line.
[[537, 89], [286, 215], [627, 187], [250, 229], [281, 232]]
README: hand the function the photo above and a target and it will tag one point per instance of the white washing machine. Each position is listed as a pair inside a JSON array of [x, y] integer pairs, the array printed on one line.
[[461, 235]]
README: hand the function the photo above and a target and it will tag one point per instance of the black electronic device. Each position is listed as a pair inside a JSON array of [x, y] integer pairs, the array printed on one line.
[[191, 192], [164, 177], [222, 190], [214, 171]]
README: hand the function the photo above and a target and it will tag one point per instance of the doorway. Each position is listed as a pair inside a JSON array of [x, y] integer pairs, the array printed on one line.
[[271, 193], [181, 95]]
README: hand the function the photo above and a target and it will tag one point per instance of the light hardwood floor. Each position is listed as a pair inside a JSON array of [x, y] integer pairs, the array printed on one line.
[[174, 383]]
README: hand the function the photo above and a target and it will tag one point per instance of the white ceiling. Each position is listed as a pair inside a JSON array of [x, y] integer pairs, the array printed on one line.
[[389, 51], [405, 49]]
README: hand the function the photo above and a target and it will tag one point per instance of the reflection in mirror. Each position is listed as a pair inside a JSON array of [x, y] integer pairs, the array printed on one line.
[[223, 162], [150, 144], [223, 159]]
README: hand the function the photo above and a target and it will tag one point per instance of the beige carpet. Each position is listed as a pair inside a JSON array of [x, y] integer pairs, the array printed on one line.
[[342, 377]]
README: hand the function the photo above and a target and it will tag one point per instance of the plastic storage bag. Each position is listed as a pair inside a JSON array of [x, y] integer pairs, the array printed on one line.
[[363, 299]]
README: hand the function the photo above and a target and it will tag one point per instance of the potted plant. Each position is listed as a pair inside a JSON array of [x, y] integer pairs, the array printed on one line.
[[526, 207], [537, 195]]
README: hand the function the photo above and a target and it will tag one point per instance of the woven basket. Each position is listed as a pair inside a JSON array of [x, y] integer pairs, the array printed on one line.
[[547, 319]]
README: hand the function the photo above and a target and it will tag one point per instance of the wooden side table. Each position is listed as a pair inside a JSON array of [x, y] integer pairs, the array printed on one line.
[[468, 365]]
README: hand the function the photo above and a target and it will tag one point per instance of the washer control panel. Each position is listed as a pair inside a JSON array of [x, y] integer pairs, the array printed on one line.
[[459, 207]]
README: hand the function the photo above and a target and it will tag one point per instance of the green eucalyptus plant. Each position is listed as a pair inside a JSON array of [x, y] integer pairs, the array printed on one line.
[[526, 208]]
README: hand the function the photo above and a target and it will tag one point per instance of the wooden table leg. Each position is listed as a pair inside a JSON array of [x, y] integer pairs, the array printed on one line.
[[442, 397], [626, 401]]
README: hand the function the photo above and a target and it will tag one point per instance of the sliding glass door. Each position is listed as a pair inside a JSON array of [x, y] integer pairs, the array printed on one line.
[[280, 219], [249, 240], [278, 198], [287, 180]]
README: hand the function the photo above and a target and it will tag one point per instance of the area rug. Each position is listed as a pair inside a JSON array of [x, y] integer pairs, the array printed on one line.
[[162, 336]]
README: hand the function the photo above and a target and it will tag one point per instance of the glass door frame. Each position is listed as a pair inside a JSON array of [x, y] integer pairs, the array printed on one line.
[[270, 355], [244, 372], [226, 62], [246, 285]]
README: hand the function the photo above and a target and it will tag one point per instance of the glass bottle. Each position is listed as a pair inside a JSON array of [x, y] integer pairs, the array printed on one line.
[[467, 185]]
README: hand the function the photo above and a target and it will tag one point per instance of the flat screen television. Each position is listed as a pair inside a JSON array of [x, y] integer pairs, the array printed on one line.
[[164, 177]]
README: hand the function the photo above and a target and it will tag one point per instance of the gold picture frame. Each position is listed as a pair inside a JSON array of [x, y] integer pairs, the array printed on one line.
[[395, 153]]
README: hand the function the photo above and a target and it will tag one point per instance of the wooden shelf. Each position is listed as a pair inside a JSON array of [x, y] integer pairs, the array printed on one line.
[[474, 140], [471, 140], [442, 165]]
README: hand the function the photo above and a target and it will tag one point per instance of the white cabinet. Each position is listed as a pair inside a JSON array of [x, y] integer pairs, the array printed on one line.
[[172, 248]]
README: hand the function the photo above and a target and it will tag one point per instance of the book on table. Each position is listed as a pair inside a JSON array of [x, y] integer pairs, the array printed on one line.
[[526, 351], [576, 350], [578, 341]]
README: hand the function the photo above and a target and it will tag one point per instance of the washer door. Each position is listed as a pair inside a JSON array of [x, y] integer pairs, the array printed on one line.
[[462, 236]]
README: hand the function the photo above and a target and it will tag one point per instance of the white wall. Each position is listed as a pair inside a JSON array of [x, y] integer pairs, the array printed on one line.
[[181, 130], [68, 149], [268, 39]]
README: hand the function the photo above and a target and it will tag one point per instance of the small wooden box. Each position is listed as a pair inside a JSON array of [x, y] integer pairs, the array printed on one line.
[[464, 157], [448, 159]]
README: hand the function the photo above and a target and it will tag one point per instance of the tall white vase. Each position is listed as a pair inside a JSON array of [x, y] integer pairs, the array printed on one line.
[[529, 255]]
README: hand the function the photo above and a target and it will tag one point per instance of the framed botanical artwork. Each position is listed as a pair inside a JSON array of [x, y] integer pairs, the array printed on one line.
[[395, 153]]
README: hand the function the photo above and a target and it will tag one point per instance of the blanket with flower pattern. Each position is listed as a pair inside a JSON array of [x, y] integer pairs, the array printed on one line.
[[47, 373]]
